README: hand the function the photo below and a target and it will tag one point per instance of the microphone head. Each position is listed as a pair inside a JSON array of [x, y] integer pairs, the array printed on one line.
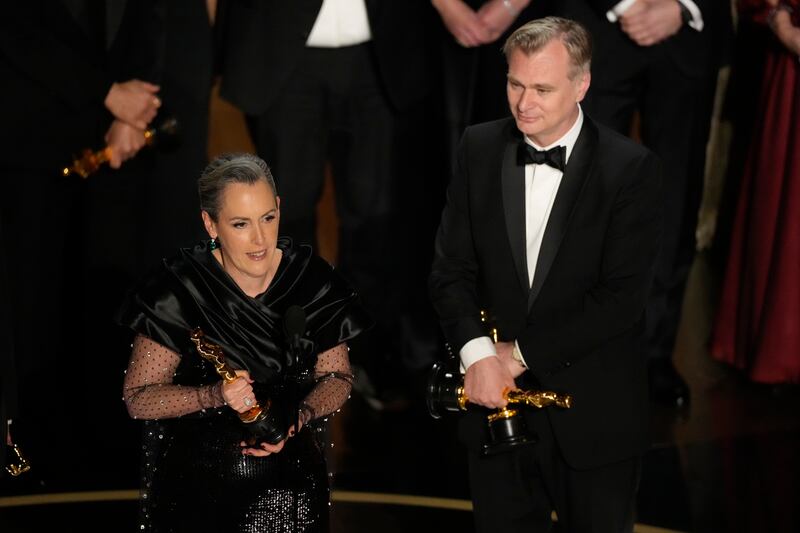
[[294, 321]]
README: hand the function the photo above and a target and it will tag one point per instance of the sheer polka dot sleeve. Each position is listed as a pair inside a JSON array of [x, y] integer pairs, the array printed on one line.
[[333, 384], [148, 390]]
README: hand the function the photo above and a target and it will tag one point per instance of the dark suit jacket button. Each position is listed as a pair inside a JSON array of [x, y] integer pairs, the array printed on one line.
[[567, 364]]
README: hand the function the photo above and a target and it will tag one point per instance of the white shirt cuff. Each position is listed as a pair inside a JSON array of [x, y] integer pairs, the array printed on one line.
[[521, 356], [697, 17], [475, 350], [618, 10]]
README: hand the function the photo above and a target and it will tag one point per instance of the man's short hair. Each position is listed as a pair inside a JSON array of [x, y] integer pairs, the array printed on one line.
[[534, 35]]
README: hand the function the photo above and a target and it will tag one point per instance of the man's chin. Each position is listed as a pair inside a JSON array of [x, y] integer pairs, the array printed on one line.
[[529, 127]]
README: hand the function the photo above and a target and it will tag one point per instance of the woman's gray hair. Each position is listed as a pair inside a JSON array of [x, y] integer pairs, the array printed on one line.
[[227, 169], [534, 35]]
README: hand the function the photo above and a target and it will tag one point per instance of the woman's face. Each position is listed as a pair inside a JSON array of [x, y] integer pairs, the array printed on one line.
[[247, 229]]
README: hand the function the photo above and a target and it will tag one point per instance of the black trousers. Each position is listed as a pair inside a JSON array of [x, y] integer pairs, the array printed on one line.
[[517, 491], [8, 371], [333, 109], [37, 214], [675, 112]]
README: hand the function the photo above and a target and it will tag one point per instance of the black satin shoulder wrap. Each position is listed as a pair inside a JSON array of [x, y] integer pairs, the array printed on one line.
[[192, 290]]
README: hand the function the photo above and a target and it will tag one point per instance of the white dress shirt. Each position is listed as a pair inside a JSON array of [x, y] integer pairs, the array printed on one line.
[[340, 23], [541, 187]]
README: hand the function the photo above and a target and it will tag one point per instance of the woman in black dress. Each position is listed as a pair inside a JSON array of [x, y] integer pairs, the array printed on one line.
[[201, 472]]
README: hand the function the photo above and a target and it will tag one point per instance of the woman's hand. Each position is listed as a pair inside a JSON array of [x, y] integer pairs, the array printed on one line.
[[238, 394], [786, 32], [264, 449]]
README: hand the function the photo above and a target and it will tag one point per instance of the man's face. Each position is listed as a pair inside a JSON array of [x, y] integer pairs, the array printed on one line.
[[542, 98]]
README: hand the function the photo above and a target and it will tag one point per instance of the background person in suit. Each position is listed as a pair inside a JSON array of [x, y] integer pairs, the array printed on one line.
[[169, 187], [8, 377], [340, 81], [660, 59], [75, 73], [558, 245], [473, 67]]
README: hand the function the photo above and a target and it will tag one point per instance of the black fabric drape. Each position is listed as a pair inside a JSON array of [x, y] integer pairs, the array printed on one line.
[[192, 290]]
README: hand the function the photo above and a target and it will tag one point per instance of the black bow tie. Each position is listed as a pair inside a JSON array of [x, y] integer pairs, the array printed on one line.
[[556, 157]]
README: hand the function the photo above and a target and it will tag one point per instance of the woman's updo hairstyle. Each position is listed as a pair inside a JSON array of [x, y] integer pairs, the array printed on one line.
[[227, 169]]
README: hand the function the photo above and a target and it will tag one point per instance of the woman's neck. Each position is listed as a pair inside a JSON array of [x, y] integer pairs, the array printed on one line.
[[251, 286]]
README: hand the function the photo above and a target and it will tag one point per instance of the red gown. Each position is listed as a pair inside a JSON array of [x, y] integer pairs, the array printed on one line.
[[757, 327]]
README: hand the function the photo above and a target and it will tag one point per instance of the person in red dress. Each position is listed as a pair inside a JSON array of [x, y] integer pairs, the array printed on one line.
[[757, 327]]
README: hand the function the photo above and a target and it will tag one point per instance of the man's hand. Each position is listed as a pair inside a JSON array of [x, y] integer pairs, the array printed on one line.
[[124, 141], [504, 350], [463, 23], [497, 18], [486, 381], [649, 22], [134, 102]]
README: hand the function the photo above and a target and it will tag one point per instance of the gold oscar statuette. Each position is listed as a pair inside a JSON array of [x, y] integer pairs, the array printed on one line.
[[506, 428], [20, 465], [259, 419], [90, 160]]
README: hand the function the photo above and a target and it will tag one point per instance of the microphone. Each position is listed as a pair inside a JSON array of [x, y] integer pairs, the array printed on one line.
[[294, 325]]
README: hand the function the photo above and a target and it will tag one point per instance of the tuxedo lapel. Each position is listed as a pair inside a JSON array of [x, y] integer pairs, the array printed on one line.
[[575, 175], [513, 182], [114, 13]]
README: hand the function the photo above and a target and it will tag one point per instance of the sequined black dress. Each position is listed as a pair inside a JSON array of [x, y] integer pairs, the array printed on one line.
[[194, 475]]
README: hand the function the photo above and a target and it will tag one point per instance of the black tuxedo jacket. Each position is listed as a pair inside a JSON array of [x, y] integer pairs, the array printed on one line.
[[578, 326], [57, 68], [693, 53], [262, 41]]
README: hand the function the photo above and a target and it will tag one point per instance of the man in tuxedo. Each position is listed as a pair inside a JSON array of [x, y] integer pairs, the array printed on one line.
[[660, 58], [552, 226], [473, 69], [339, 82]]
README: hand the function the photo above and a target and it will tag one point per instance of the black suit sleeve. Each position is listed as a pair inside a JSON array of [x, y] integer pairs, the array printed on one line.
[[139, 47], [453, 279], [603, 6], [615, 304], [42, 45], [705, 6]]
